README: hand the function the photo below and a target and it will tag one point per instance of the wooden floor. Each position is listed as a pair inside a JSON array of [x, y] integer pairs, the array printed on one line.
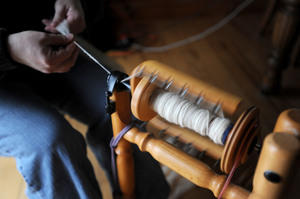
[[233, 58]]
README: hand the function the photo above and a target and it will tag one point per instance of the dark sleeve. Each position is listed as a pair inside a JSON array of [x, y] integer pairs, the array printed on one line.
[[6, 62]]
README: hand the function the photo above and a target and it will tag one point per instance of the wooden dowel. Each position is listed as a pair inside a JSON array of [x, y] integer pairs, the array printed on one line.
[[184, 164], [124, 160]]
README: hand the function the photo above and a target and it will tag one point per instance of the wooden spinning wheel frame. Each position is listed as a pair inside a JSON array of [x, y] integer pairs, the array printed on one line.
[[238, 145]]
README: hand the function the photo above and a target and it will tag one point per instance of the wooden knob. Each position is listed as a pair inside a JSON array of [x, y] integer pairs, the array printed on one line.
[[289, 122]]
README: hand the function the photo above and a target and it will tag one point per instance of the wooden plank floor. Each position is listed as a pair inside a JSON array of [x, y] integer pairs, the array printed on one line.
[[233, 58]]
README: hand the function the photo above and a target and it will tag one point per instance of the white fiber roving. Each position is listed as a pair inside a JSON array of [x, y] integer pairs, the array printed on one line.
[[63, 28]]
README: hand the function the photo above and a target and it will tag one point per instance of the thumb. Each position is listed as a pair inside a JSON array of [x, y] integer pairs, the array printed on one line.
[[59, 16]]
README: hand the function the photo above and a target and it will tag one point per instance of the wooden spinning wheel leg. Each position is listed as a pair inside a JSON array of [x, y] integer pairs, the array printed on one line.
[[124, 161]]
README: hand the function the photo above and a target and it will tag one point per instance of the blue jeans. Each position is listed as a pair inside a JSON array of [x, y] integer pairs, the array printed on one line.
[[49, 153]]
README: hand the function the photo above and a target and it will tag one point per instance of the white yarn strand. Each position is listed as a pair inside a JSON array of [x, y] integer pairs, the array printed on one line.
[[196, 37], [83, 45], [180, 111]]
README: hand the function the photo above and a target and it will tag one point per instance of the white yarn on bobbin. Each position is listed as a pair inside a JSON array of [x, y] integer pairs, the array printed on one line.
[[180, 111]]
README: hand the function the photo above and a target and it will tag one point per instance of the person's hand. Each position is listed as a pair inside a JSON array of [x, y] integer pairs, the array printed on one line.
[[45, 52], [72, 11]]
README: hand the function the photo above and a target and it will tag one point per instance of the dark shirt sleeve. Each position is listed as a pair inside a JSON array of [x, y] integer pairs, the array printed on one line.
[[6, 62]]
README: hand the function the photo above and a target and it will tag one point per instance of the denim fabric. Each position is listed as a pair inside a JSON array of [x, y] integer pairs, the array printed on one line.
[[50, 154]]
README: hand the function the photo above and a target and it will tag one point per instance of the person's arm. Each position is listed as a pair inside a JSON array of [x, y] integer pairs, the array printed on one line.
[[6, 62]]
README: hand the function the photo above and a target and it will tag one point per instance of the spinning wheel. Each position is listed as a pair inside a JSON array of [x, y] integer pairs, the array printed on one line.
[[238, 141]]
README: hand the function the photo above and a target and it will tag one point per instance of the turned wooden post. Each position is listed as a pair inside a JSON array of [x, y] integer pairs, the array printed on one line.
[[268, 15], [284, 36], [278, 158], [275, 167], [124, 161]]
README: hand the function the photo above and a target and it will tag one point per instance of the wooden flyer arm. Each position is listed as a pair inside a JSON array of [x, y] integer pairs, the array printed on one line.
[[196, 87], [185, 165]]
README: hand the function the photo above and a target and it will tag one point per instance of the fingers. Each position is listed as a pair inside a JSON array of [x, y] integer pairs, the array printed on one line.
[[59, 40], [75, 25], [62, 59], [60, 53], [66, 10], [76, 22], [48, 26], [70, 54], [59, 15]]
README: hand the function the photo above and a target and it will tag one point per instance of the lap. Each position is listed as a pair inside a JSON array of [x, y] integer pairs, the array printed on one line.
[[27, 121], [79, 93], [31, 103]]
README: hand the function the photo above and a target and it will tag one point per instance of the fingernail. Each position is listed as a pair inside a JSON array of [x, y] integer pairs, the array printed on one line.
[[53, 23]]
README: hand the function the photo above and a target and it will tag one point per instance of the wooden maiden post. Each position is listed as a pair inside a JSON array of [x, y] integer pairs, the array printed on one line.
[[121, 117], [280, 152]]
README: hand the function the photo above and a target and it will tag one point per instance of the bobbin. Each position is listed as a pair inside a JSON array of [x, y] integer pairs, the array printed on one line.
[[239, 141]]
